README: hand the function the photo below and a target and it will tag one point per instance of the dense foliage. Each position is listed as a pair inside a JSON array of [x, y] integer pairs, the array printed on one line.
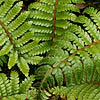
[[54, 42]]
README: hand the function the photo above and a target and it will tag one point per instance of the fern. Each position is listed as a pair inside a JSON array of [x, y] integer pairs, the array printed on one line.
[[15, 35], [73, 58], [79, 92], [62, 41], [11, 89], [49, 23]]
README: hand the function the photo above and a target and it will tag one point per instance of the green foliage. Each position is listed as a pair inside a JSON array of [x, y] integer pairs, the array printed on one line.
[[43, 21], [79, 92], [11, 89], [15, 35], [73, 58], [64, 43], [75, 92]]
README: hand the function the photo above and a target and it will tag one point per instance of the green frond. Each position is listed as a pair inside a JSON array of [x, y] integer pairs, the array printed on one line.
[[74, 57], [11, 89], [5, 88], [18, 21], [49, 2], [45, 23], [64, 1], [15, 34], [42, 7], [41, 15], [81, 33], [26, 84], [67, 7], [12, 59], [20, 42], [44, 95], [79, 92], [62, 24], [28, 47], [23, 66], [40, 49], [12, 13], [42, 36], [22, 29], [64, 46], [14, 82], [94, 15], [70, 1], [49, 60], [51, 19], [89, 26], [59, 77], [78, 1], [5, 7], [9, 98], [42, 29], [65, 16], [33, 60], [6, 49], [3, 39], [22, 96]]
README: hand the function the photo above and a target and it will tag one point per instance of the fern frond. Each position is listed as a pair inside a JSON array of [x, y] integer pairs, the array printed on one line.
[[23, 66], [26, 84], [5, 7], [6, 49], [11, 89], [42, 7], [74, 57], [3, 39], [51, 19], [45, 23], [89, 26], [16, 34], [5, 87], [12, 13], [41, 15], [94, 14], [71, 1], [18, 21], [33, 60], [79, 92], [22, 29], [14, 82], [42, 37], [40, 49], [12, 59]]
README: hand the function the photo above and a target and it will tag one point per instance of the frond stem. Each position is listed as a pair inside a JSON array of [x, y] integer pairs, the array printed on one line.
[[97, 83]]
